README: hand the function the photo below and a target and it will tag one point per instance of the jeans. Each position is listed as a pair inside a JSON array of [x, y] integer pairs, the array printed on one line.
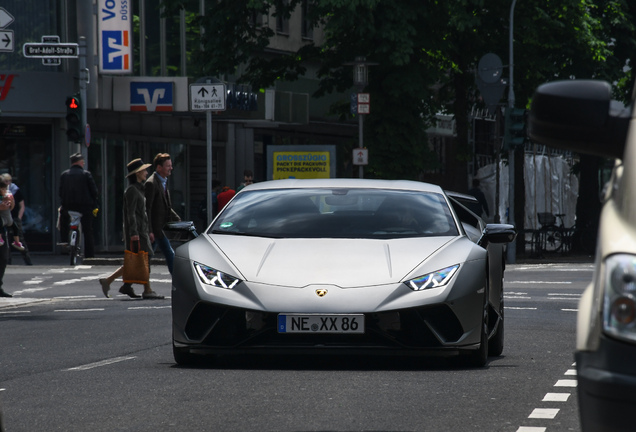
[[166, 249]]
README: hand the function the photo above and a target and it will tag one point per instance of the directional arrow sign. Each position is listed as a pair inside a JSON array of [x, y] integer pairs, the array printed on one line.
[[48, 50], [5, 18], [6, 40], [207, 97]]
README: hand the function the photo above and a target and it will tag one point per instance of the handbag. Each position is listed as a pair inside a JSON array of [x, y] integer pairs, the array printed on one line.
[[136, 268]]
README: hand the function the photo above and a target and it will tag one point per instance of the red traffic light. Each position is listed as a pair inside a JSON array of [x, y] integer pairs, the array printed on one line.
[[72, 103]]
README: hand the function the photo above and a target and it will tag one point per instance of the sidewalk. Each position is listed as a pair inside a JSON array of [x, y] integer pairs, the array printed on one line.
[[53, 260]]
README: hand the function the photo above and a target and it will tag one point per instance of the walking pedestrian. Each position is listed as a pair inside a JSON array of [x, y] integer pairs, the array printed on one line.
[[18, 213], [136, 228], [78, 192], [4, 250], [159, 206]]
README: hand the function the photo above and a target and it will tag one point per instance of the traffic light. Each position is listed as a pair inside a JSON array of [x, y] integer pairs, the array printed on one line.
[[515, 127], [74, 124]]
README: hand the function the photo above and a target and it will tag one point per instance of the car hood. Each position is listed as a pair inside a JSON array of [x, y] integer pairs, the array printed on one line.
[[342, 262]]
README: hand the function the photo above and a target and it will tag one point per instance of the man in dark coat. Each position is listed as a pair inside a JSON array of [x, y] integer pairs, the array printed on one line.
[[78, 192], [159, 205]]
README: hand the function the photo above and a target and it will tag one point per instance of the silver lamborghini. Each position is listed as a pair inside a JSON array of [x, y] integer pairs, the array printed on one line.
[[338, 266]]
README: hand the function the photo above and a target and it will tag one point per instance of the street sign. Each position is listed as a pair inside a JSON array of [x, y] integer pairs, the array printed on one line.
[[364, 103], [6, 40], [207, 97], [5, 18], [50, 50], [360, 156], [51, 61]]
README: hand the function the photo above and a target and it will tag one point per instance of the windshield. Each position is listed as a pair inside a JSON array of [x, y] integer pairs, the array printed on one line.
[[336, 213]]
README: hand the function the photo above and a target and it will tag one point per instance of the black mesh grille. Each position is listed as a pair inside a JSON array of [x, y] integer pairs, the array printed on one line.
[[227, 327]]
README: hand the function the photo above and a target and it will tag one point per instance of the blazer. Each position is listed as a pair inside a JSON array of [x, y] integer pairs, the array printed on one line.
[[135, 217], [158, 206]]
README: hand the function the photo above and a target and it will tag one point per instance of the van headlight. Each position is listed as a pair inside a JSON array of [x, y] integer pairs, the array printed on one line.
[[619, 303]]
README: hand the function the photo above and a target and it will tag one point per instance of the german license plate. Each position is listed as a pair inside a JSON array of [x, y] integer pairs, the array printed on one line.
[[308, 323]]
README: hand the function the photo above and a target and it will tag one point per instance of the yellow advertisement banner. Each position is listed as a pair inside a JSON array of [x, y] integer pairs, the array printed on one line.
[[301, 164]]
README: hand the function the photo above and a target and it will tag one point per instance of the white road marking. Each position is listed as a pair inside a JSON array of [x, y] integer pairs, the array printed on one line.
[[570, 372], [556, 397], [544, 413], [150, 307], [520, 308], [539, 282], [100, 363], [566, 383], [34, 281], [13, 312], [79, 310], [28, 290], [570, 310], [531, 429]]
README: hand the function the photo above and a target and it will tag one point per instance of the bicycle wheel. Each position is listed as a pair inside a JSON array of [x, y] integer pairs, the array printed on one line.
[[537, 247], [74, 246], [553, 239]]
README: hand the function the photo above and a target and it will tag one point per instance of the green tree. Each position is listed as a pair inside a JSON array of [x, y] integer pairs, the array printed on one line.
[[427, 53]]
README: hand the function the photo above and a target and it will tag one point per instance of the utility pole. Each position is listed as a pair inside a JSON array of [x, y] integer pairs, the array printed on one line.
[[512, 247]]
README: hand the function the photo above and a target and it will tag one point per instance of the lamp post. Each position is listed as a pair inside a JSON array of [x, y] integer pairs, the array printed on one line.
[[512, 247]]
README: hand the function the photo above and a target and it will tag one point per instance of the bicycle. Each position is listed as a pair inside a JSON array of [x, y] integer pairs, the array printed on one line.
[[74, 236], [552, 237]]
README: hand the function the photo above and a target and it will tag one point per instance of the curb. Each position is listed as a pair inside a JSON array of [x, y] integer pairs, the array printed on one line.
[[117, 261]]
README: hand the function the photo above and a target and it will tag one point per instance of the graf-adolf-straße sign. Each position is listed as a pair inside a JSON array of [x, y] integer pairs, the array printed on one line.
[[49, 50]]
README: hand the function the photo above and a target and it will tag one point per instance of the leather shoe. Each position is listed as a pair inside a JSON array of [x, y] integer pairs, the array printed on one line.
[[105, 286], [3, 293], [128, 290], [152, 296]]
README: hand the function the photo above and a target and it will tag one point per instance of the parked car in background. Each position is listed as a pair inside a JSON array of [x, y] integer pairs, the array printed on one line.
[[579, 115], [341, 266]]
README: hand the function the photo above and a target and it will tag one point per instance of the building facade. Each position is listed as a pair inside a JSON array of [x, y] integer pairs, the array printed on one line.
[[134, 87]]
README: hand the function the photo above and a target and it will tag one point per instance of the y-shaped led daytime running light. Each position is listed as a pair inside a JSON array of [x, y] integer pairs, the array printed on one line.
[[433, 280], [216, 278]]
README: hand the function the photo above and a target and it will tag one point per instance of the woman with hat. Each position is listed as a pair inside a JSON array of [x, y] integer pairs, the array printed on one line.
[[136, 228]]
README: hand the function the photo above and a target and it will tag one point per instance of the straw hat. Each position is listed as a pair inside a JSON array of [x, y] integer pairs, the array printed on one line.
[[136, 165]]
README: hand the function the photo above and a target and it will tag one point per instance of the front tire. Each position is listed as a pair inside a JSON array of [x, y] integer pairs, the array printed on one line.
[[479, 357]]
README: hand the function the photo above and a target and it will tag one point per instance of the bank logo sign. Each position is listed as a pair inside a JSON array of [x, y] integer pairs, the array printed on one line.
[[115, 55], [151, 96]]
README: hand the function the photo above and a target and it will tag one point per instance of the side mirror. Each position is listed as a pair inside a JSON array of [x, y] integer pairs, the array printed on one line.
[[579, 115], [497, 233]]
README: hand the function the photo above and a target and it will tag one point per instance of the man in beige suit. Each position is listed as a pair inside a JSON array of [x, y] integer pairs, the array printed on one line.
[[159, 206]]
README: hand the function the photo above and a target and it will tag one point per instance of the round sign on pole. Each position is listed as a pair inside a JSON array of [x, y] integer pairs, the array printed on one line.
[[490, 68]]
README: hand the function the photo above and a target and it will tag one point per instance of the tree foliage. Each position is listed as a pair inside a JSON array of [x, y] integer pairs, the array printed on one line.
[[426, 53]]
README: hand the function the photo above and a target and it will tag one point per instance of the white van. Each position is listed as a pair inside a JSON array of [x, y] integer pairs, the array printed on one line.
[[579, 115]]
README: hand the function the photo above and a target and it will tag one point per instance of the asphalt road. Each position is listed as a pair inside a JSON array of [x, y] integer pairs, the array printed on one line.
[[72, 360]]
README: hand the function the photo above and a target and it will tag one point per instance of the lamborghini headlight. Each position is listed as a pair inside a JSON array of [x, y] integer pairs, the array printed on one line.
[[619, 305], [213, 277], [436, 279]]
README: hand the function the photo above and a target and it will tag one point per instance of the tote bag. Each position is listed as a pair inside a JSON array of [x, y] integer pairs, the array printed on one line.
[[136, 269]]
